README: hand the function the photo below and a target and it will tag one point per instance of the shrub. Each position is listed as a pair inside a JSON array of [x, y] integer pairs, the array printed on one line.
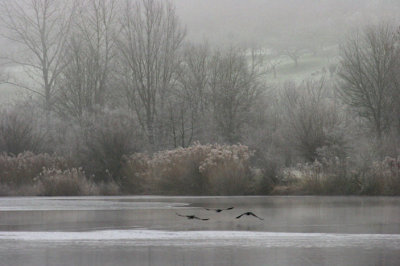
[[17, 133], [135, 174], [107, 140], [335, 176], [312, 119], [265, 179], [177, 171], [382, 177], [328, 176], [71, 182], [23, 190], [198, 169], [109, 188], [227, 170], [23, 168]]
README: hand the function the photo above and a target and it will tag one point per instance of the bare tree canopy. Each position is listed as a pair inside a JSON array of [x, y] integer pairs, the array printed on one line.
[[85, 81], [312, 117], [151, 36], [368, 62], [189, 106], [235, 85], [40, 28]]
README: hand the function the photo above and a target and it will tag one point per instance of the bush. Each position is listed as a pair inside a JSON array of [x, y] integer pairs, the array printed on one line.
[[328, 176], [178, 171], [23, 190], [227, 170], [71, 182], [382, 178], [107, 140], [23, 168], [135, 174], [312, 119], [199, 169], [17, 133], [109, 188], [335, 176]]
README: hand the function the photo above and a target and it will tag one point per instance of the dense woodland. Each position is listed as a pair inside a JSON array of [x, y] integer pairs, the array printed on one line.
[[118, 101]]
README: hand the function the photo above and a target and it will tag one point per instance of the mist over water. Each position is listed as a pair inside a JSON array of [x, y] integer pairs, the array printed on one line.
[[147, 231]]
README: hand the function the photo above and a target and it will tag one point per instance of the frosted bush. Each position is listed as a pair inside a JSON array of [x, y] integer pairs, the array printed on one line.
[[135, 174], [198, 169], [227, 169], [70, 182], [339, 176], [21, 169], [177, 171], [382, 177]]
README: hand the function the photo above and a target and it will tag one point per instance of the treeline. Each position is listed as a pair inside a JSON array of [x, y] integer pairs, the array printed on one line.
[[121, 101]]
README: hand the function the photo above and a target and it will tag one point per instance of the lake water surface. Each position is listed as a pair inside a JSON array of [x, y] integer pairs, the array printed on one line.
[[147, 231]]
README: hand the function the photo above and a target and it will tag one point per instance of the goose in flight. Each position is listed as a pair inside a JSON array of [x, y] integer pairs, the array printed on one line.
[[193, 217], [249, 214], [218, 210]]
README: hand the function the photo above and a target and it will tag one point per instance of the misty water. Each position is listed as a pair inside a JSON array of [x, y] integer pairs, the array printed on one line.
[[147, 231]]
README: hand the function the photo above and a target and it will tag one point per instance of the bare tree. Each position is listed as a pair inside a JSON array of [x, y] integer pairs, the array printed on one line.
[[89, 58], [189, 105], [151, 37], [235, 84], [18, 132], [291, 46], [366, 71], [312, 118], [293, 53], [40, 28], [273, 65]]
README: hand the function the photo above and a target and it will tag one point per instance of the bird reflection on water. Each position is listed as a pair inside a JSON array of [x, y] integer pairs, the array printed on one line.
[[192, 217]]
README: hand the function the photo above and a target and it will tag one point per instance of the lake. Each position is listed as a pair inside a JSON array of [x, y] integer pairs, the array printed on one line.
[[146, 230]]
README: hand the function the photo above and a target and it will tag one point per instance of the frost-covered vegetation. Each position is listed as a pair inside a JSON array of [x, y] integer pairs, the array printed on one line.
[[198, 169], [118, 101]]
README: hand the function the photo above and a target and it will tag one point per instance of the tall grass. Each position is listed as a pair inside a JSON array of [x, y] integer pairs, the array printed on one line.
[[71, 182], [21, 169], [198, 169], [340, 177]]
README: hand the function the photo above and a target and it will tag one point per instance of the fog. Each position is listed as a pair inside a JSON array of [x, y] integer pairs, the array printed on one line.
[[257, 21], [183, 96], [133, 131]]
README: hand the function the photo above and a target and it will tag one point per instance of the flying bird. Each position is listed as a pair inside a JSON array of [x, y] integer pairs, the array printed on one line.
[[218, 210], [193, 217], [249, 214]]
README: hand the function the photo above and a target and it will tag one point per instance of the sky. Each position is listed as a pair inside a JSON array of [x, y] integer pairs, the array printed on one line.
[[259, 20]]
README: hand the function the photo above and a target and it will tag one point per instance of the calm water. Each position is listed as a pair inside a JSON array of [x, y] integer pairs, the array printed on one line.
[[147, 231]]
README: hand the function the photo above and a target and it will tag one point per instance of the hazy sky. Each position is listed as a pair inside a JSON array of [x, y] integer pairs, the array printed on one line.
[[258, 20]]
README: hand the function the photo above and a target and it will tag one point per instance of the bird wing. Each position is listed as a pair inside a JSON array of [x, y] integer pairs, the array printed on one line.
[[208, 209], [252, 214], [240, 215], [230, 208], [180, 215]]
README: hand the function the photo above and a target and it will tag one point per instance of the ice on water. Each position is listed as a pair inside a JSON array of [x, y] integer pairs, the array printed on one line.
[[208, 238]]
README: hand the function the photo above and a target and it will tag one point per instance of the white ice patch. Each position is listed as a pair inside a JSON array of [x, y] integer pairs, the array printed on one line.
[[207, 239]]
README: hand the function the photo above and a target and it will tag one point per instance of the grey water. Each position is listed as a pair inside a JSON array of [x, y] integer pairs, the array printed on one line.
[[145, 230]]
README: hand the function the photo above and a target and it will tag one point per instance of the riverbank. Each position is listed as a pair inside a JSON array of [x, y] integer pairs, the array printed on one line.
[[197, 170]]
